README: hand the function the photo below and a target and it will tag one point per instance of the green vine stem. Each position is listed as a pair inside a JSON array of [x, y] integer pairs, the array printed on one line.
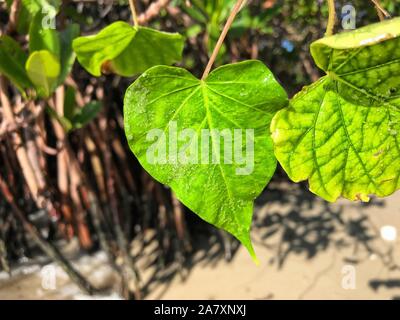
[[332, 18], [234, 12], [134, 12]]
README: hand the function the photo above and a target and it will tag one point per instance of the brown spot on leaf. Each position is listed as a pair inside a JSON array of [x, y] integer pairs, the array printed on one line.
[[106, 67], [377, 154]]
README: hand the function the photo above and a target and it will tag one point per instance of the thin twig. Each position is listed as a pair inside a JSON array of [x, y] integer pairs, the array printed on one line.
[[62, 167], [152, 11], [6, 128], [75, 180], [332, 18], [132, 271], [18, 144], [34, 153], [382, 13], [221, 39], [3, 256], [14, 13], [134, 12]]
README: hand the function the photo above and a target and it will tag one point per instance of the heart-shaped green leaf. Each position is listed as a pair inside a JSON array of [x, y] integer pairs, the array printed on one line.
[[342, 132], [43, 69], [12, 63], [127, 50], [212, 141]]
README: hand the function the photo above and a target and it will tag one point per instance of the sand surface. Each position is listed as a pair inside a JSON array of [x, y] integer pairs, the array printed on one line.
[[308, 249]]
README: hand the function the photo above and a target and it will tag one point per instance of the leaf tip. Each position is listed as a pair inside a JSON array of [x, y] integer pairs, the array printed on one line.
[[246, 241], [253, 255]]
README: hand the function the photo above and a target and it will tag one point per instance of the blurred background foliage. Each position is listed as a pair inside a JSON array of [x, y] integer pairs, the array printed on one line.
[[275, 31]]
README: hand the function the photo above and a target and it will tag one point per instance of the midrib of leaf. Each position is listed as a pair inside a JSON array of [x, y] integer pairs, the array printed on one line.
[[331, 60], [313, 145], [209, 122], [363, 124], [345, 62], [237, 101], [350, 143], [370, 68], [184, 102], [197, 131]]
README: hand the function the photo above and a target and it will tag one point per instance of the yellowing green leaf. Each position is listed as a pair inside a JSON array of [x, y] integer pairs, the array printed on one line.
[[342, 132], [43, 69]]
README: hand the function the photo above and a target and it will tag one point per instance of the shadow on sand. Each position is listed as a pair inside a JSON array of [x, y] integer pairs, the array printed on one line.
[[288, 220]]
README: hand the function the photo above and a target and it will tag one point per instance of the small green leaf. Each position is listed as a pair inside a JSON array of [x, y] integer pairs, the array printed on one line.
[[65, 122], [127, 50], [193, 31], [342, 132], [67, 55], [84, 115], [41, 38], [238, 100], [43, 69], [12, 63], [24, 20]]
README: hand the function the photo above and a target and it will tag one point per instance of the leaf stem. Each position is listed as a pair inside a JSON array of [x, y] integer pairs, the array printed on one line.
[[134, 12], [332, 18], [221, 39], [382, 13]]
